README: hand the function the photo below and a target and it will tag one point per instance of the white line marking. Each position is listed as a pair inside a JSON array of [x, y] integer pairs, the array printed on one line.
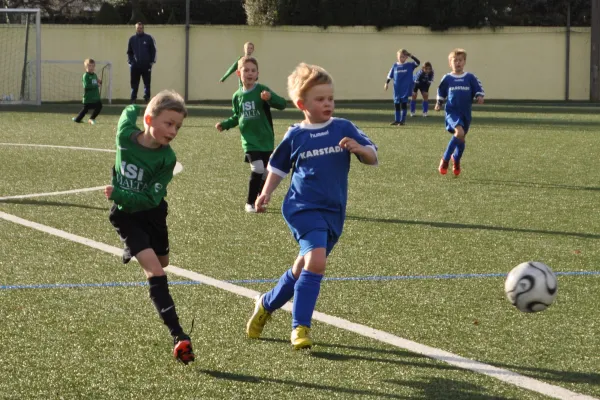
[[511, 377], [178, 169]]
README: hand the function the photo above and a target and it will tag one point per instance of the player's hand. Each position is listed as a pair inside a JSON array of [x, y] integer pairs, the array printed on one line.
[[479, 100], [385, 86], [437, 107], [219, 127], [261, 202], [265, 95], [108, 191], [351, 145], [99, 81]]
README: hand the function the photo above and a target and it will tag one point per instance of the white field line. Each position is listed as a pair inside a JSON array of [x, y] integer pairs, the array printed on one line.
[[178, 169], [504, 375]]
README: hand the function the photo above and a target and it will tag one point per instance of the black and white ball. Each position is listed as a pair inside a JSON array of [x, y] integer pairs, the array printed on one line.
[[531, 286]]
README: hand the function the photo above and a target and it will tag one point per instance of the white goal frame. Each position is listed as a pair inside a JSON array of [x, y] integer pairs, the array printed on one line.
[[79, 62], [38, 51]]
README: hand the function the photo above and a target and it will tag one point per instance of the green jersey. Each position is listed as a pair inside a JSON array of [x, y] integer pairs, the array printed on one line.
[[253, 115], [141, 174], [230, 71], [91, 89]]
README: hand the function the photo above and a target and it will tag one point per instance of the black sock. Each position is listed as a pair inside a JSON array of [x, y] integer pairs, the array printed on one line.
[[253, 187], [159, 294]]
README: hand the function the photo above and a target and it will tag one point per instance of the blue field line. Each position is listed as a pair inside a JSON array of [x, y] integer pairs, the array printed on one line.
[[255, 281]]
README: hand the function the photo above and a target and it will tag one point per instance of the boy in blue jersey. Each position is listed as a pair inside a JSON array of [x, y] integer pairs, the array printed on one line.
[[423, 79], [402, 74], [457, 89], [317, 151]]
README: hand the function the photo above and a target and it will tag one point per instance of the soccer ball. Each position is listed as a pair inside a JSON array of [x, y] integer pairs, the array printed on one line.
[[531, 286]]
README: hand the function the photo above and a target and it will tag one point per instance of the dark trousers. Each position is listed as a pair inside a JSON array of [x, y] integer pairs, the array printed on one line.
[[97, 107], [136, 74]]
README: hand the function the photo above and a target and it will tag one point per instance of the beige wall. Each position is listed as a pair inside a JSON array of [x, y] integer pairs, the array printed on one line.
[[512, 63]]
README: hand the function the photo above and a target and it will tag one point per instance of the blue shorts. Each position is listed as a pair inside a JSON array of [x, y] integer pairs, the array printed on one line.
[[454, 120], [423, 87], [315, 239]]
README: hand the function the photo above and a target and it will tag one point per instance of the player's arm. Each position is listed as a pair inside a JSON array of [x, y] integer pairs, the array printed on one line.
[[415, 59], [275, 100], [234, 120], [477, 89], [127, 121], [230, 71], [390, 77], [431, 77], [358, 143], [152, 51], [149, 198], [417, 76], [442, 94]]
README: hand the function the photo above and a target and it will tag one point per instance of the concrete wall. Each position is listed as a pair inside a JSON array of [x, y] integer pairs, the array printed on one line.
[[512, 63]]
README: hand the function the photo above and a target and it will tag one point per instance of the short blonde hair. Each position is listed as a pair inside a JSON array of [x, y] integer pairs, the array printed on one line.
[[247, 44], [402, 51], [457, 52], [305, 77], [166, 100], [246, 59], [88, 61]]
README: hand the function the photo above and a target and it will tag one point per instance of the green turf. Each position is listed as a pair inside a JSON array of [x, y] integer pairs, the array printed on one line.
[[528, 192]]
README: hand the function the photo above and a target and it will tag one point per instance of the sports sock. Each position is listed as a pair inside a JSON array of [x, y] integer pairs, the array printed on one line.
[[425, 106], [397, 113], [159, 294], [306, 292], [254, 187], [275, 298], [460, 148], [450, 149], [413, 106], [403, 112]]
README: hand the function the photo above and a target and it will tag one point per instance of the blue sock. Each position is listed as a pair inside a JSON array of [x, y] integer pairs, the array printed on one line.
[[275, 298], [425, 106], [413, 106], [305, 298], [460, 148], [397, 115], [450, 149]]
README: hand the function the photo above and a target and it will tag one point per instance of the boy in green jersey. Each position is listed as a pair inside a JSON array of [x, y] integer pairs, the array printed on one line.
[[248, 50], [143, 168], [252, 112], [91, 93]]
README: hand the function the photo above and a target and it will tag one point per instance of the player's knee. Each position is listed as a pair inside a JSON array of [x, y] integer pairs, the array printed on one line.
[[425, 95], [316, 261], [257, 167]]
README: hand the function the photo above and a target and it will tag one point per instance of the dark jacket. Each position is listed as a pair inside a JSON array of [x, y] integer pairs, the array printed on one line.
[[141, 51]]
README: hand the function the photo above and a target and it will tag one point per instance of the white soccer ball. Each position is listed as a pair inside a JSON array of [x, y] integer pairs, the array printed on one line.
[[531, 286]]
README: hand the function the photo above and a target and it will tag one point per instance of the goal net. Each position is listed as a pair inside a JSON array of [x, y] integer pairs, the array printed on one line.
[[62, 79], [20, 47]]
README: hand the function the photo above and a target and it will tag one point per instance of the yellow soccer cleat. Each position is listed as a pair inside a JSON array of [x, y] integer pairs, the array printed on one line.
[[259, 318], [301, 338]]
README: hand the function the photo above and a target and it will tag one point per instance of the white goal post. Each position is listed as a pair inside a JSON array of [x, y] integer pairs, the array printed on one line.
[[20, 60]]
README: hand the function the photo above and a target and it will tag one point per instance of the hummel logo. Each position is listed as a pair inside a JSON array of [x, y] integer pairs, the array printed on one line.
[[164, 310]]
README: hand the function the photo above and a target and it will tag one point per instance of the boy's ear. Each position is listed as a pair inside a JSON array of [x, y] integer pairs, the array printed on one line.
[[147, 119], [238, 73], [300, 104]]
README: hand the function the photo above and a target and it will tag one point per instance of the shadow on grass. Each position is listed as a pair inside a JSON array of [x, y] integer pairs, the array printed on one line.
[[229, 376], [531, 184], [50, 203], [454, 225], [440, 388]]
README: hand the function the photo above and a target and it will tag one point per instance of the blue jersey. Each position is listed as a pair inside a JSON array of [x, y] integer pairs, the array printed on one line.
[[402, 74], [458, 91], [422, 79], [319, 173]]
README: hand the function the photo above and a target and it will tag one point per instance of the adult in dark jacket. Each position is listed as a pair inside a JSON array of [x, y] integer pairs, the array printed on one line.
[[141, 56]]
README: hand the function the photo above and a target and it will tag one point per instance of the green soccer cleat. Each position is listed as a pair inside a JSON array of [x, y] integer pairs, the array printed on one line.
[[258, 320], [301, 338]]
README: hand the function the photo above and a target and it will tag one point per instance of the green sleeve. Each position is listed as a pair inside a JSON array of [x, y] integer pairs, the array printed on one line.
[[151, 197], [127, 122], [232, 121], [230, 71], [87, 82], [276, 101]]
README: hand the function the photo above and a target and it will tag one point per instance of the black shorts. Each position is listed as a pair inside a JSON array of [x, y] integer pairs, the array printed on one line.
[[423, 87], [252, 156], [142, 230]]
